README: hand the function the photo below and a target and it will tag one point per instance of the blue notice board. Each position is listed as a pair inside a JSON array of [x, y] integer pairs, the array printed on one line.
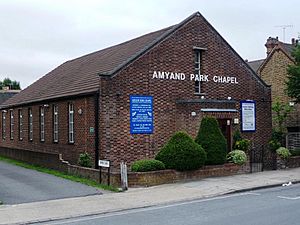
[[141, 114]]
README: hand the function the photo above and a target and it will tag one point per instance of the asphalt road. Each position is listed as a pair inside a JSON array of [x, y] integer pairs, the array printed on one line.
[[274, 206], [20, 185]]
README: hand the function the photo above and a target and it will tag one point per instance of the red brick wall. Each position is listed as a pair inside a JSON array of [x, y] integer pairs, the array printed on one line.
[[175, 54], [84, 140]]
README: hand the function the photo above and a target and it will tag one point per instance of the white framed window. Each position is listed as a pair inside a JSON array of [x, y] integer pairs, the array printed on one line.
[[4, 124], [30, 124], [20, 125], [42, 124], [71, 123], [12, 124], [55, 123], [197, 70]]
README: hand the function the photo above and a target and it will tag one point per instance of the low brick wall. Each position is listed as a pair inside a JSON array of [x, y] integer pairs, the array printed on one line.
[[45, 159], [172, 176], [293, 162]]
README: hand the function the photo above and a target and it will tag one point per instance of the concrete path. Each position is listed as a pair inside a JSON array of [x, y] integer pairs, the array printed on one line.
[[20, 185], [143, 197]]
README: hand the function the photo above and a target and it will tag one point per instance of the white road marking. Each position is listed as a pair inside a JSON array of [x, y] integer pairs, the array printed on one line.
[[289, 198]]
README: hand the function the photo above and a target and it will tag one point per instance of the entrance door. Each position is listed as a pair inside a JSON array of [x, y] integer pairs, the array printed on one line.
[[225, 126]]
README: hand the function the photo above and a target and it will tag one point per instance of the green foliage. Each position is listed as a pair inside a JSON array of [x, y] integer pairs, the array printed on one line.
[[276, 139], [145, 165], [293, 82], [182, 153], [283, 153], [295, 152], [212, 140], [237, 157], [85, 160], [282, 111], [243, 145], [12, 84], [236, 137]]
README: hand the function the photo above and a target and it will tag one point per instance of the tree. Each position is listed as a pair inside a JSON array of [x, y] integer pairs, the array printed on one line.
[[212, 140], [293, 82], [12, 84], [282, 111]]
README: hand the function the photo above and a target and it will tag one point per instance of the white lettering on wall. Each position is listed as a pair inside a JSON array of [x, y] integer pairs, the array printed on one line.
[[163, 75]]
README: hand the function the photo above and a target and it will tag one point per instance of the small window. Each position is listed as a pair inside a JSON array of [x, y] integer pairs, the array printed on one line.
[[12, 124], [42, 123], [30, 124], [55, 123], [197, 71], [71, 123], [3, 125], [20, 125]]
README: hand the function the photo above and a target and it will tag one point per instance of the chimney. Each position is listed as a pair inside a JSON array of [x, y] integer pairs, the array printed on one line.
[[271, 43], [293, 41]]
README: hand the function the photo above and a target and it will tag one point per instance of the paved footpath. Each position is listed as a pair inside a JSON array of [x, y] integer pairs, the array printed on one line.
[[143, 197]]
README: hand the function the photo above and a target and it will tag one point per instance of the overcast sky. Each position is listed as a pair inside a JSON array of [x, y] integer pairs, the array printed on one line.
[[38, 35]]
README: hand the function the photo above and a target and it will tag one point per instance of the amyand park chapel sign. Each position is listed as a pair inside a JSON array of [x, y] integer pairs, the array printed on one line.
[[163, 75]]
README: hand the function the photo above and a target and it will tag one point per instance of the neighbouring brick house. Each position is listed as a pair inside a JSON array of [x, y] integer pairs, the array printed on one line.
[[124, 102], [273, 70]]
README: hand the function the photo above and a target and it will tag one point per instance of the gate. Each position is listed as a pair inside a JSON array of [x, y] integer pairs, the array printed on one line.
[[257, 159]]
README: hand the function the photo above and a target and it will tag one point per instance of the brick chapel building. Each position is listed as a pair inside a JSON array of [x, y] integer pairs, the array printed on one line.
[[124, 102], [273, 70]]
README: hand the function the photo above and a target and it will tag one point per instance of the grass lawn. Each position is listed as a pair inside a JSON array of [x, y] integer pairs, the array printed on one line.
[[59, 174]]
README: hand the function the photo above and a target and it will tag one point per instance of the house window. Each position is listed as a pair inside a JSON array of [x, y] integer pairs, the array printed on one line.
[[55, 123], [71, 123], [197, 71], [3, 125], [30, 124], [42, 123], [11, 124], [20, 125]]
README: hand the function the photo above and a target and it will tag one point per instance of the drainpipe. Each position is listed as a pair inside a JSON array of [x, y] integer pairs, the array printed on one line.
[[96, 129]]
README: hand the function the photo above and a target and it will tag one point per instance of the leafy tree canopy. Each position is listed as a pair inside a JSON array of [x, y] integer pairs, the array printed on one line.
[[293, 82], [12, 84]]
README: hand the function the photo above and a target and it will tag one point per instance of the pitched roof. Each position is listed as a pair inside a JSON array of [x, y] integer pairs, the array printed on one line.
[[286, 48], [4, 95], [255, 64], [81, 75]]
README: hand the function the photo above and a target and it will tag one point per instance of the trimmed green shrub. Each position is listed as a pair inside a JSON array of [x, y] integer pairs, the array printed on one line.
[[237, 157], [283, 153], [85, 160], [212, 140], [145, 165], [182, 153], [295, 152]]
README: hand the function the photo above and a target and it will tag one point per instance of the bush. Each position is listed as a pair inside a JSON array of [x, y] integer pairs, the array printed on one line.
[[212, 140], [236, 137], [182, 153], [283, 153], [85, 160], [238, 157], [295, 152], [242, 144], [145, 165], [276, 140]]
